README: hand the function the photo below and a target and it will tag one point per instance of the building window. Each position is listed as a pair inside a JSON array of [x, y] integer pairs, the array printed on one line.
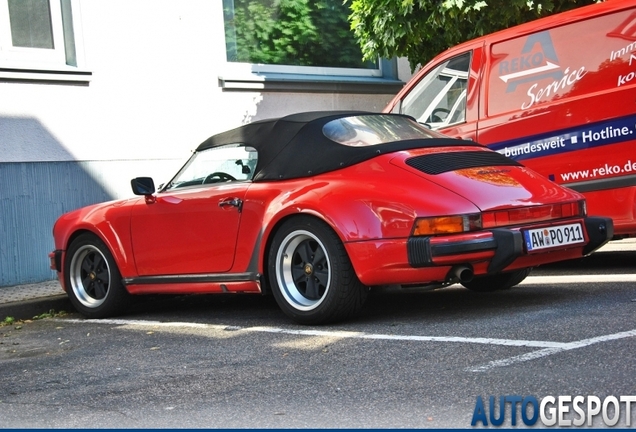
[[291, 33], [30, 22], [38, 37], [301, 39]]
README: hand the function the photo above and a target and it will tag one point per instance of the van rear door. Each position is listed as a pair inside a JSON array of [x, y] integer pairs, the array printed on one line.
[[561, 101]]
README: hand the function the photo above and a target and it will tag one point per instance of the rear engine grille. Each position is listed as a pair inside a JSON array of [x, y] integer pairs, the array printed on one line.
[[439, 163]]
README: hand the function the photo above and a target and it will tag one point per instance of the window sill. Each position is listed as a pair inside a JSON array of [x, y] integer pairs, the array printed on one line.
[[304, 83], [70, 76]]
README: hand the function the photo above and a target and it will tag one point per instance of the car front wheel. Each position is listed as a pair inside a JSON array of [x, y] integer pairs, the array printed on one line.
[[496, 282], [311, 275], [93, 281]]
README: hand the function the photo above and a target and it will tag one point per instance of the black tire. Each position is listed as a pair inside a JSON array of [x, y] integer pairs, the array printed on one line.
[[93, 282], [310, 273], [497, 282]]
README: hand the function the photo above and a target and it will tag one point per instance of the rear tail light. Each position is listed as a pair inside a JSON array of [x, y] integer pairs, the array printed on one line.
[[523, 215], [446, 224], [500, 218]]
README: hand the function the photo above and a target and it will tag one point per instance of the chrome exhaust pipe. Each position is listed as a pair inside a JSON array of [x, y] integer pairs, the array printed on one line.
[[462, 273]]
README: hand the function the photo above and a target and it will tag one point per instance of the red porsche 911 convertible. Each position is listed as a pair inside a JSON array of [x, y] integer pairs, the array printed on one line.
[[318, 208]]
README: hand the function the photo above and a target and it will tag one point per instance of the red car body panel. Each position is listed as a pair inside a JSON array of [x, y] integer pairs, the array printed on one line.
[[109, 221], [162, 237], [389, 203], [166, 234], [567, 79], [194, 288], [373, 268]]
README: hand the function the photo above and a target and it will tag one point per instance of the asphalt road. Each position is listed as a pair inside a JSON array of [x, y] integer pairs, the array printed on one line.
[[410, 360]]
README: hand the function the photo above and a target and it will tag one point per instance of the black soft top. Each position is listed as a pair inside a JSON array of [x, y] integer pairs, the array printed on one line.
[[295, 146]]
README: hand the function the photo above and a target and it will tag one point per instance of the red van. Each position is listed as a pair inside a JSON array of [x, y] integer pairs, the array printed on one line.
[[557, 94]]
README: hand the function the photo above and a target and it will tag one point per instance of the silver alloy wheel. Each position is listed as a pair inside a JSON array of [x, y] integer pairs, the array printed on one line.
[[89, 275], [303, 270]]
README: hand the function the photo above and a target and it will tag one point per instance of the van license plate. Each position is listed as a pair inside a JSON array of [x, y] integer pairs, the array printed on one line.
[[548, 237]]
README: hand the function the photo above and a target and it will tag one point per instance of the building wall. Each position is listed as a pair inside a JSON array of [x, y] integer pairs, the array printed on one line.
[[153, 96]]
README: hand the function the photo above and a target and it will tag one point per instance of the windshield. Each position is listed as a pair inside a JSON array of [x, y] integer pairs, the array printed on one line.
[[369, 130], [234, 162]]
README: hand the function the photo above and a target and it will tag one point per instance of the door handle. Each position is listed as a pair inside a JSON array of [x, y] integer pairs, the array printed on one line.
[[234, 202]]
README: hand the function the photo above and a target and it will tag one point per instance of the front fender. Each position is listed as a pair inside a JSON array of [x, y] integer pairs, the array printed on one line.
[[108, 221]]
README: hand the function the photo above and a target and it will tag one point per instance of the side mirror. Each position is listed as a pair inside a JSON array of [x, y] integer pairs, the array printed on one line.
[[143, 186]]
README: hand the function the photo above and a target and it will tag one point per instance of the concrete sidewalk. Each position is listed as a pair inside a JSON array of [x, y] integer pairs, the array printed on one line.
[[27, 301]]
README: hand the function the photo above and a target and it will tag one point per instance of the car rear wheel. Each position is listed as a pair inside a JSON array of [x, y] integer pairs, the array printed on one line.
[[93, 281], [501, 281], [311, 275]]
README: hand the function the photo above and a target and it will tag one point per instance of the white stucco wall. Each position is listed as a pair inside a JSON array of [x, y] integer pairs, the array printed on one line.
[[154, 95], [154, 92]]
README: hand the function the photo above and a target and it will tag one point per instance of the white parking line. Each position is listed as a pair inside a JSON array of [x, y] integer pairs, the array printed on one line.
[[606, 278], [326, 333], [549, 347], [362, 335], [142, 323], [549, 351]]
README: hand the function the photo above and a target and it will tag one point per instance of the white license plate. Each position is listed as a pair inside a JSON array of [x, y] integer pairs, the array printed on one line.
[[548, 237]]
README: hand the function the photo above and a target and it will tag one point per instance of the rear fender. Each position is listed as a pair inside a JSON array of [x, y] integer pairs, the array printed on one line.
[[343, 204], [373, 209]]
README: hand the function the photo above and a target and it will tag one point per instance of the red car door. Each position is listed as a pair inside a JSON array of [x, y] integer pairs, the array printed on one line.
[[190, 231]]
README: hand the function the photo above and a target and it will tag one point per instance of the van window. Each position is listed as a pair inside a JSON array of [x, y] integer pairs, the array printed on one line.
[[439, 99]]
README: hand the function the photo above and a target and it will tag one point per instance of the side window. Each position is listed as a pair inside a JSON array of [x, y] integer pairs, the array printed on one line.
[[234, 162], [439, 99]]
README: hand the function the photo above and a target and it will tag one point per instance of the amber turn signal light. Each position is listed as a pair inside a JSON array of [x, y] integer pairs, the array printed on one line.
[[446, 225]]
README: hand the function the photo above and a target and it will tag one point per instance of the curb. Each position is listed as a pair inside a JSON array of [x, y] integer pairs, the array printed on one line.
[[28, 309]]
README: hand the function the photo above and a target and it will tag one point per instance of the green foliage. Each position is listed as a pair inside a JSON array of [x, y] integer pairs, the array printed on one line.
[[50, 314], [421, 29], [290, 32], [7, 321]]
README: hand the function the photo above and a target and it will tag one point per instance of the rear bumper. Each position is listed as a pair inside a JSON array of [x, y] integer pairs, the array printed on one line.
[[420, 260], [600, 230], [507, 244]]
